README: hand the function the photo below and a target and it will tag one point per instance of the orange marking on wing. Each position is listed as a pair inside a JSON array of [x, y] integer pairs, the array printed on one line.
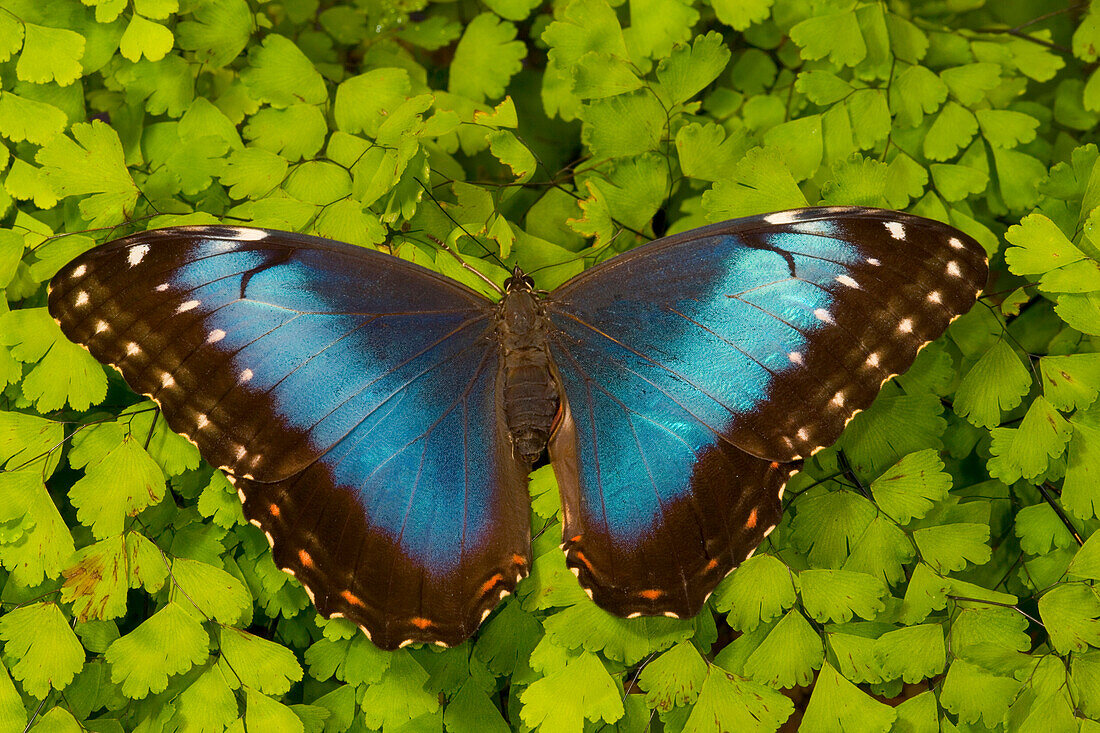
[[488, 584], [351, 598], [421, 623], [519, 559], [751, 522], [575, 538], [580, 556], [652, 594], [711, 565], [305, 559], [775, 465], [558, 416], [274, 509]]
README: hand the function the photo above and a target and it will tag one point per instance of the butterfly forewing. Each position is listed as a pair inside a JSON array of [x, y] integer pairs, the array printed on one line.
[[353, 398], [699, 369]]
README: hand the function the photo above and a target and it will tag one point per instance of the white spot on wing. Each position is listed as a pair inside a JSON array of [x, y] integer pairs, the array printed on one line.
[[82, 298], [955, 243], [803, 434], [846, 280], [215, 336], [872, 360], [246, 234], [246, 375], [795, 357], [897, 231], [166, 380], [782, 217], [202, 421], [906, 325], [838, 399], [80, 271], [189, 305], [953, 269], [824, 316], [137, 254], [132, 348], [161, 288], [934, 297], [873, 261], [241, 451], [101, 326]]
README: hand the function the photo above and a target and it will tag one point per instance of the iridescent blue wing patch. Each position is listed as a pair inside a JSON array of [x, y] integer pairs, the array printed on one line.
[[352, 397], [699, 369]]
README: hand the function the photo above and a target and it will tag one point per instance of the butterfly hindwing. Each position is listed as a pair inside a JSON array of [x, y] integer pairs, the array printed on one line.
[[639, 543], [699, 369], [353, 398]]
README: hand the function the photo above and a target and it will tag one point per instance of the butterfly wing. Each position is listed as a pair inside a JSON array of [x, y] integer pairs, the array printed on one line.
[[699, 369], [353, 398]]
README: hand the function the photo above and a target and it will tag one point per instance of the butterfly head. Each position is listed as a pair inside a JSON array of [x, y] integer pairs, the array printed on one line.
[[519, 280]]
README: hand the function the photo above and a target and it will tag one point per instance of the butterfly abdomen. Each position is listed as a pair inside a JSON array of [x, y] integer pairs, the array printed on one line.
[[530, 390]]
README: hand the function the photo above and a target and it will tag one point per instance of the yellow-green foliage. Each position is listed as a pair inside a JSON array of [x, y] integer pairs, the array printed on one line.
[[948, 540]]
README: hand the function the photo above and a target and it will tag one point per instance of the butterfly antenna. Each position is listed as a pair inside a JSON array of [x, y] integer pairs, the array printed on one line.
[[491, 253], [465, 265], [622, 225], [553, 182], [591, 252]]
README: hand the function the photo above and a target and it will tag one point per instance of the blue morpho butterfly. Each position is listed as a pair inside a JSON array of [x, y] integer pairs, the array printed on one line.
[[379, 420]]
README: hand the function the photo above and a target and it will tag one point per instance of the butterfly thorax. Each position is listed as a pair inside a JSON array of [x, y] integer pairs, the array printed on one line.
[[530, 392]]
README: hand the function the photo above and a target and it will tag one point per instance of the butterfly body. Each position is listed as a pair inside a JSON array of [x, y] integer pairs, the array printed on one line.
[[379, 420], [530, 396]]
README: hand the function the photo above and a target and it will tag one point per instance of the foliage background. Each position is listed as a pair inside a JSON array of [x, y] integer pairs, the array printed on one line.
[[951, 588]]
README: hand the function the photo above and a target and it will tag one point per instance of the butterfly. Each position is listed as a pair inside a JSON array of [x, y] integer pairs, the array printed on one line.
[[379, 420]]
